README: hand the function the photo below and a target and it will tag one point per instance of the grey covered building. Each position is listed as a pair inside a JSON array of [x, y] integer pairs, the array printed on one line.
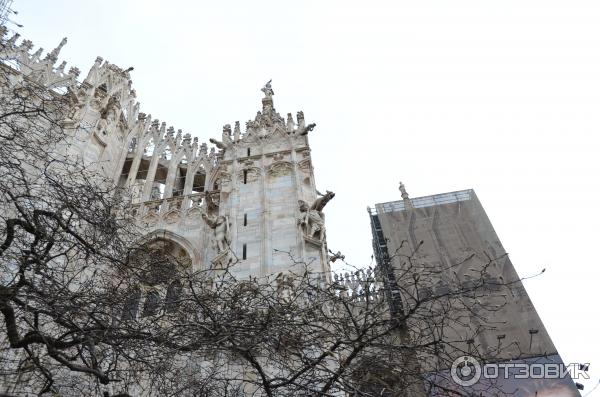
[[452, 232]]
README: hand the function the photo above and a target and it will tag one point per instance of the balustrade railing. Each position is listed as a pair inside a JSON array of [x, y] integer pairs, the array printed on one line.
[[161, 207]]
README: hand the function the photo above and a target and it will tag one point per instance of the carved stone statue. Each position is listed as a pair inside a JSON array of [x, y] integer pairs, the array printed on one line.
[[289, 123], [108, 116], [76, 106], [212, 201], [311, 221], [303, 129], [300, 120], [220, 226], [268, 90], [226, 135]]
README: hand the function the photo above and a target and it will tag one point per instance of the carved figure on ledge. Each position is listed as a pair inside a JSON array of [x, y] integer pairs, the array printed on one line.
[[220, 226], [108, 116], [311, 221]]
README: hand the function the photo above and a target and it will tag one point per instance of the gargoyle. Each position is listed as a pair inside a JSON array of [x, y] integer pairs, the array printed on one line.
[[308, 129], [322, 201]]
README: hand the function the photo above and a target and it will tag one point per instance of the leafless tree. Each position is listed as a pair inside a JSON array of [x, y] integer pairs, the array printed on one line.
[[61, 233], [74, 269]]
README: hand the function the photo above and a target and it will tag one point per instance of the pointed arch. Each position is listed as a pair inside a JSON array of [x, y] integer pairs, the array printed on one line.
[[167, 235]]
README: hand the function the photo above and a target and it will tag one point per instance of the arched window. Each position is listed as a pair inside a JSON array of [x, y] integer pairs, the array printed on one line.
[[157, 267]]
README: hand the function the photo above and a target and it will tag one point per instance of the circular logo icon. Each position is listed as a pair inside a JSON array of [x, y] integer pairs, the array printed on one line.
[[466, 371]]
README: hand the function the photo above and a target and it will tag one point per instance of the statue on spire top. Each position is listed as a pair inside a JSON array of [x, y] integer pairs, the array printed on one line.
[[268, 90]]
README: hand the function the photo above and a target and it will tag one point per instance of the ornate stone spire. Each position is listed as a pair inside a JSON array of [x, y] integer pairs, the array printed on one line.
[[53, 55], [237, 133], [267, 122]]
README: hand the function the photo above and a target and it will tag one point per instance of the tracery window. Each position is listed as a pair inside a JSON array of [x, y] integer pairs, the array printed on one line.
[[156, 267]]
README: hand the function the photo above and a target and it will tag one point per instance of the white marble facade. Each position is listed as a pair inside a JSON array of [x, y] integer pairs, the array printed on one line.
[[255, 188]]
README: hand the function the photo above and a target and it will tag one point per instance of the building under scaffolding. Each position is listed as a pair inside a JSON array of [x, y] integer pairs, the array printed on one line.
[[451, 236]]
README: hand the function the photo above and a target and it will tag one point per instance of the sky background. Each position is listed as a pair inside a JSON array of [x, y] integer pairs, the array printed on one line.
[[499, 96]]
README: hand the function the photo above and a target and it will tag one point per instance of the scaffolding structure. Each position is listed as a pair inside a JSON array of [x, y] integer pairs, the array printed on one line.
[[384, 266], [5, 11]]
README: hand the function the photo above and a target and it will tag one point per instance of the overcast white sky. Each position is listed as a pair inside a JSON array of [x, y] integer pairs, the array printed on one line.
[[499, 96]]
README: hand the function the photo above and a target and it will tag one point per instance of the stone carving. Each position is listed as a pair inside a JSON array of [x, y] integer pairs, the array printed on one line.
[[135, 192], [212, 201], [304, 165], [335, 256], [237, 132], [300, 120], [284, 284], [312, 220], [224, 182], [220, 226], [225, 141], [403, 191], [178, 183], [155, 193], [267, 122], [308, 129], [303, 129], [172, 217], [150, 219], [78, 100], [174, 203], [195, 200], [252, 174], [278, 157], [290, 123], [218, 144], [108, 117], [226, 135], [268, 90], [280, 169], [42, 71], [322, 201]]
